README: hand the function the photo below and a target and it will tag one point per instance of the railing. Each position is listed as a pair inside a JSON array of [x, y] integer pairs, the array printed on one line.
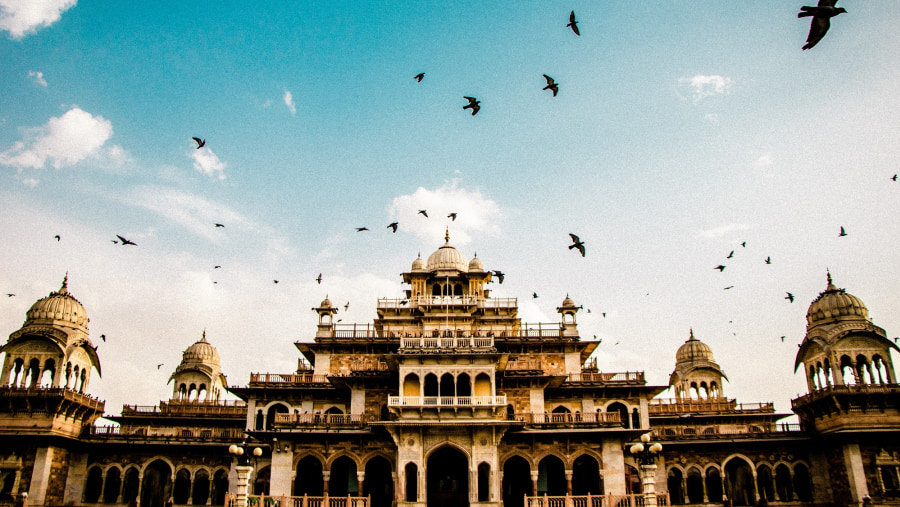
[[524, 365], [333, 420], [300, 501], [675, 406], [568, 418], [454, 301], [629, 377], [727, 431], [466, 342], [180, 408], [287, 378], [158, 433], [633, 500], [50, 393], [447, 401], [846, 389]]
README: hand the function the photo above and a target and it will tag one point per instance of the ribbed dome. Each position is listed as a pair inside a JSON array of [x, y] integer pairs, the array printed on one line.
[[693, 350], [567, 302], [418, 264], [326, 303], [447, 258], [59, 306], [835, 304], [201, 352], [475, 264]]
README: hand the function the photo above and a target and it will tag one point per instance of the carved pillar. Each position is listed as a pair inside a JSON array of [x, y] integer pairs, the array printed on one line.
[[569, 474], [648, 483], [240, 490]]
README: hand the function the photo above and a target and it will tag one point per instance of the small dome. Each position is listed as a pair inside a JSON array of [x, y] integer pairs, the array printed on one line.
[[567, 302], [201, 352], [418, 264], [326, 303], [835, 304], [694, 350], [447, 258], [475, 264], [59, 306]]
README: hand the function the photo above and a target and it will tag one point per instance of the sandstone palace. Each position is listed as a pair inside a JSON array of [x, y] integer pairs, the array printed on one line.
[[448, 399]]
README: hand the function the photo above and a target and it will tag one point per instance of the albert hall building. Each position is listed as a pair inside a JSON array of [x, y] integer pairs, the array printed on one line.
[[448, 399]]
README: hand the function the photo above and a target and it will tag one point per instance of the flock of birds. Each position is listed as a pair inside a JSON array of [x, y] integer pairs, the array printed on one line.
[[821, 15]]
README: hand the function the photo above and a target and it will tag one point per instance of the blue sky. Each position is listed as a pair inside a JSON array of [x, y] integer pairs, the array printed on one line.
[[679, 132]]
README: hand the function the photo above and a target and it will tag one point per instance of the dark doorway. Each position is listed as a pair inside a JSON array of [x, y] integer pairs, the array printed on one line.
[[378, 482], [739, 484], [516, 482], [551, 477], [309, 477], [447, 478], [343, 480], [156, 487], [586, 476]]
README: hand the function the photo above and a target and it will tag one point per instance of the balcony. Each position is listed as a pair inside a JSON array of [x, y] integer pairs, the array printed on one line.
[[154, 434], [447, 401], [674, 406], [428, 302], [447, 343], [617, 378], [332, 421], [188, 408], [570, 420], [728, 431], [287, 379]]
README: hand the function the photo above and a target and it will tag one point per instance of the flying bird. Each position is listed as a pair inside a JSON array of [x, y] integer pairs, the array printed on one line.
[[894, 177], [103, 337], [217, 266], [720, 267], [499, 275], [159, 365], [274, 281], [573, 23], [729, 287], [57, 238], [576, 243], [473, 105], [360, 229], [125, 241], [319, 279], [452, 216], [220, 225], [744, 244], [768, 260], [392, 225], [423, 212], [782, 339], [534, 295], [9, 295], [843, 232], [730, 255], [200, 142], [347, 306], [821, 22], [551, 85], [418, 77], [789, 297]]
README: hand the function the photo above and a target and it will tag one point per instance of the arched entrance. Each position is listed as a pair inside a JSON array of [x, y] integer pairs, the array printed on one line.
[[378, 482], [447, 478], [586, 478], [551, 477], [516, 481], [739, 484], [156, 487], [343, 480], [309, 477]]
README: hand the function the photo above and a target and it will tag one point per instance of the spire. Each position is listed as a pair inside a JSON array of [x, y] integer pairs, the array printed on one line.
[[828, 276], [65, 284], [447, 236], [203, 339], [692, 335]]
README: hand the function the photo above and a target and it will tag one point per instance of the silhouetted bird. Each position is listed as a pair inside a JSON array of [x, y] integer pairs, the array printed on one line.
[[346, 306], [274, 281], [220, 225], [473, 105], [125, 241], [768, 260], [418, 77], [894, 177], [499, 275], [452, 216], [404, 302], [782, 339], [9, 295], [216, 267], [576, 243], [729, 287], [821, 14], [392, 225], [551, 85], [57, 238], [319, 279], [423, 212], [744, 244], [843, 232], [789, 297], [360, 229], [200, 142], [720, 267], [103, 337], [534, 295], [159, 365], [730, 255], [573, 23]]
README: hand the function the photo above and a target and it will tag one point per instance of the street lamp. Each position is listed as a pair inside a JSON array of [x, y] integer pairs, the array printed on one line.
[[243, 470], [646, 455]]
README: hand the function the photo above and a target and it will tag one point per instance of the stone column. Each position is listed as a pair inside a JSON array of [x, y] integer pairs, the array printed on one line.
[[240, 489], [648, 484], [569, 474]]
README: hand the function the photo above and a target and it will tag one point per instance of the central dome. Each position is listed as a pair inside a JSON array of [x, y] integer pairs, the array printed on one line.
[[447, 258], [201, 352], [59, 306]]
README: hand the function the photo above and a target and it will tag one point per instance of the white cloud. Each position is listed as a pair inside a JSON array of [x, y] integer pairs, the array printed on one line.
[[208, 163], [192, 212], [289, 102], [763, 161], [63, 141], [475, 213], [701, 87], [38, 78], [23, 17], [30, 182], [718, 232]]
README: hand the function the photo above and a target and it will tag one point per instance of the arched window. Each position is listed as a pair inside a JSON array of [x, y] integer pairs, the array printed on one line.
[[112, 485], [764, 483], [675, 484], [694, 486], [411, 474], [201, 488], [621, 410], [713, 485], [784, 487], [448, 387], [463, 385], [802, 483], [484, 483], [182, 487], [93, 486], [431, 385]]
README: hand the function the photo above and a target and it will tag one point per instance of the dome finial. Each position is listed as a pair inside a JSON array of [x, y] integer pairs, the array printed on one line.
[[447, 236], [828, 276], [65, 284], [203, 338]]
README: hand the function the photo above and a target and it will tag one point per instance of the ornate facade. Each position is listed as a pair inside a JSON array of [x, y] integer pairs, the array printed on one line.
[[447, 398]]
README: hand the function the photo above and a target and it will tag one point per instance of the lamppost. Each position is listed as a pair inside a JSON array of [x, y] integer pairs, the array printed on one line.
[[243, 470], [646, 455]]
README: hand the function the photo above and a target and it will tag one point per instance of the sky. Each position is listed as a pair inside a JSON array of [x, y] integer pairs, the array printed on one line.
[[680, 133]]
